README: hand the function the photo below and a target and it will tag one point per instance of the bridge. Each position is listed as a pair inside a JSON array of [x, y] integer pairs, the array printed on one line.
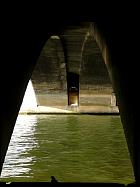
[[25, 42], [71, 74]]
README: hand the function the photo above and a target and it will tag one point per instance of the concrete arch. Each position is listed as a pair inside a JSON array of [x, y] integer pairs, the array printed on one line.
[[94, 33], [115, 55], [49, 75], [94, 76]]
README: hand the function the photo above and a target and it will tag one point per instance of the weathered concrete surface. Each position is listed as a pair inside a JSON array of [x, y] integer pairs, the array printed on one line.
[[72, 110], [44, 110]]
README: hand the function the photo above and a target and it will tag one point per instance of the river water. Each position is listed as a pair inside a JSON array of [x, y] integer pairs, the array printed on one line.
[[73, 148]]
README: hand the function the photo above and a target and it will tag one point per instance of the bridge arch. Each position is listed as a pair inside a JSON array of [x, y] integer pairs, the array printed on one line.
[[116, 63], [49, 75], [94, 75]]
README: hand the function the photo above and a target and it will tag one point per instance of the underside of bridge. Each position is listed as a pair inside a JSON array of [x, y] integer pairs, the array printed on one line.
[[72, 47], [71, 70]]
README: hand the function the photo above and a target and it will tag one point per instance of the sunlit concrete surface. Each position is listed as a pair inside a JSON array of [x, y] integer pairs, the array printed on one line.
[[43, 110], [99, 109], [72, 109]]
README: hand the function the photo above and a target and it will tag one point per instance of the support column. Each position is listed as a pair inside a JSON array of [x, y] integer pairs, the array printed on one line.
[[72, 44]]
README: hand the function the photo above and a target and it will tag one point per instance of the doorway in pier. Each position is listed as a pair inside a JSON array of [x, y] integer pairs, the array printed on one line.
[[73, 89]]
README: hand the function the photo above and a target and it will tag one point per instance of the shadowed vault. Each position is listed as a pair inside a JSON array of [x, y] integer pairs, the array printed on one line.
[[23, 56]]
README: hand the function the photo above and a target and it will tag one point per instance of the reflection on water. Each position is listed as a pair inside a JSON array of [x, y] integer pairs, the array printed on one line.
[[17, 161], [73, 148]]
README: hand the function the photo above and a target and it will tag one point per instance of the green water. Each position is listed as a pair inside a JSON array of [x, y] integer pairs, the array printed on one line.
[[73, 148]]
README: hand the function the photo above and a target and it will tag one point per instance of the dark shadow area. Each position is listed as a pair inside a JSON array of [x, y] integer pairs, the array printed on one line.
[[124, 70]]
